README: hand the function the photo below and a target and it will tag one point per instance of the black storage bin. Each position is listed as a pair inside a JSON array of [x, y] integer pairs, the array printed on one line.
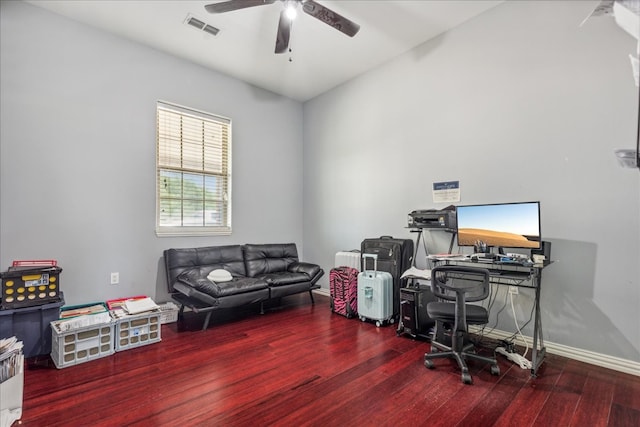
[[31, 325], [29, 286]]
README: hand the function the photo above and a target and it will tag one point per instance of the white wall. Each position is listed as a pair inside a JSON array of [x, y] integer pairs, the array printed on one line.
[[77, 149], [517, 104]]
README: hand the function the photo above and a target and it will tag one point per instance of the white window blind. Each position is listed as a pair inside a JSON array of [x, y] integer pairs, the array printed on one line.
[[193, 172]]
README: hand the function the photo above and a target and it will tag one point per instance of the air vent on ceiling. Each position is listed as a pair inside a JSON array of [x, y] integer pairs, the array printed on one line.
[[200, 25]]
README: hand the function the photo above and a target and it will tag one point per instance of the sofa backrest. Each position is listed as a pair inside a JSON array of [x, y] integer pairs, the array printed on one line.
[[269, 258], [229, 258]]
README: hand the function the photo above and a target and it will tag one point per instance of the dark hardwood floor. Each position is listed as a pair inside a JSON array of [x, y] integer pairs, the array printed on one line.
[[302, 365]]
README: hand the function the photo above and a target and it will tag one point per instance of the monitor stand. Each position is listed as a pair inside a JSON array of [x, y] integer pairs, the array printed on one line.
[[485, 257]]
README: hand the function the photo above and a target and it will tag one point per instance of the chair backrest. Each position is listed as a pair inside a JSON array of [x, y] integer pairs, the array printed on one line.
[[471, 283]]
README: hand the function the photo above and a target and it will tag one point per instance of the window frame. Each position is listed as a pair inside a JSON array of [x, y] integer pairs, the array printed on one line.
[[226, 199]]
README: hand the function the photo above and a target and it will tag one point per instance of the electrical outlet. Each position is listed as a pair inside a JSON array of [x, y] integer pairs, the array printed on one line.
[[115, 278], [513, 290]]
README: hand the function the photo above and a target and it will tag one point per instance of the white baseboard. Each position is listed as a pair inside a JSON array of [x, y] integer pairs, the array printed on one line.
[[593, 358], [322, 291]]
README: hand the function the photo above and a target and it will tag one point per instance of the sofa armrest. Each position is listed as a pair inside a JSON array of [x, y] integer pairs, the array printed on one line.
[[312, 270]]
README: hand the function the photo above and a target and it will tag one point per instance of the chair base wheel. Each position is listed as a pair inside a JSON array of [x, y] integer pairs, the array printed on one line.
[[428, 363], [466, 378]]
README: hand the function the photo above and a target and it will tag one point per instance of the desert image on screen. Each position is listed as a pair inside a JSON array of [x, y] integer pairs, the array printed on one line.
[[468, 236]]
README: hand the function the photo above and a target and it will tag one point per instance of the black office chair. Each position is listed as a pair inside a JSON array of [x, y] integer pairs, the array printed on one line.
[[455, 286]]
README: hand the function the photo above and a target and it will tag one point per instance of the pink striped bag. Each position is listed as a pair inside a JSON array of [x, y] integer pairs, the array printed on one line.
[[343, 289]]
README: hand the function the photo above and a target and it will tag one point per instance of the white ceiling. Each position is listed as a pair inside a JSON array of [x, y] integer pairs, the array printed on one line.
[[321, 56]]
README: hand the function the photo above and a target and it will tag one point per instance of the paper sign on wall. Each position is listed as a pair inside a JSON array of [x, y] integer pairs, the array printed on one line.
[[448, 191]]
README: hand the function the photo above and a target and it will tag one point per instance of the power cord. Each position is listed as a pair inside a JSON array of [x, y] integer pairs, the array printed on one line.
[[509, 351], [504, 305], [513, 311]]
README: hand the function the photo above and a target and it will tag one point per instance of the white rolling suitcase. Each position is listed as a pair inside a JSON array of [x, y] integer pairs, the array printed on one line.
[[348, 259], [375, 293]]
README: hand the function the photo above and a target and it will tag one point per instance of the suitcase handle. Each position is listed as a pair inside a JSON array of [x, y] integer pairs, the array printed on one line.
[[375, 263]]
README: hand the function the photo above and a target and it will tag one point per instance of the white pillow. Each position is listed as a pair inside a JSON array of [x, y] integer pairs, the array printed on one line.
[[219, 275]]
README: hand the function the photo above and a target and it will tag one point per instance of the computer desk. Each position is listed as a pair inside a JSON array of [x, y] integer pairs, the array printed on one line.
[[513, 275]]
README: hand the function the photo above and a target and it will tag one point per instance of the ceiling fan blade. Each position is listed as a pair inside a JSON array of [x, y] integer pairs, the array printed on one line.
[[230, 5], [331, 18], [284, 32]]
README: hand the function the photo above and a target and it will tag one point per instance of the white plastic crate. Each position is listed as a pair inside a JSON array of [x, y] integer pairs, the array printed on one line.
[[81, 345], [138, 330], [169, 312]]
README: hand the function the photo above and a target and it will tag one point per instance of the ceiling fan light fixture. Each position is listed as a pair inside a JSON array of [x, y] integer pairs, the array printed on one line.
[[291, 9]]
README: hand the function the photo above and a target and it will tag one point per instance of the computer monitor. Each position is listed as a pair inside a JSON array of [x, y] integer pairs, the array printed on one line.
[[508, 225]]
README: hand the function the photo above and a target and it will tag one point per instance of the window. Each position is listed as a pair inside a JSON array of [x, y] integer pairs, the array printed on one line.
[[193, 172]]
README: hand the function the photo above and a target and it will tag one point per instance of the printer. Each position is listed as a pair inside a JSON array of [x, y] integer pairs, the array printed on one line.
[[443, 219]]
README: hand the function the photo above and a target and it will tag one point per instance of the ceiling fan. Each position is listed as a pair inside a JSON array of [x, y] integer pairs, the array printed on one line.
[[309, 7]]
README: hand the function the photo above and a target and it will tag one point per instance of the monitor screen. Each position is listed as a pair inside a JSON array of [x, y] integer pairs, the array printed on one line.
[[509, 225]]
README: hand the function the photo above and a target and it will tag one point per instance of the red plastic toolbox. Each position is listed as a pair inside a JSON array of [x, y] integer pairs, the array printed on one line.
[[35, 262]]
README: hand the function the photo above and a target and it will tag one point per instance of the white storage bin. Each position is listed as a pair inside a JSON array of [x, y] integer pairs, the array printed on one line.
[[138, 330], [169, 312], [81, 345]]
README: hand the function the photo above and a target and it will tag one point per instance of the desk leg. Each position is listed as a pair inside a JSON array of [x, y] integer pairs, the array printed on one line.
[[416, 249], [453, 238], [537, 357]]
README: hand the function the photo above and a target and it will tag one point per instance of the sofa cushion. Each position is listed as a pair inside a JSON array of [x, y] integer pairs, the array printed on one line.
[[196, 277], [229, 258], [269, 258]]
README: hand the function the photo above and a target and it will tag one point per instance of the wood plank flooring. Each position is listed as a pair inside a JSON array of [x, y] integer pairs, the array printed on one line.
[[299, 364]]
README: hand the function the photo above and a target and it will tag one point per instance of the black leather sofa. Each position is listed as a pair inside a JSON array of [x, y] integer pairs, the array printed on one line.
[[260, 272]]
